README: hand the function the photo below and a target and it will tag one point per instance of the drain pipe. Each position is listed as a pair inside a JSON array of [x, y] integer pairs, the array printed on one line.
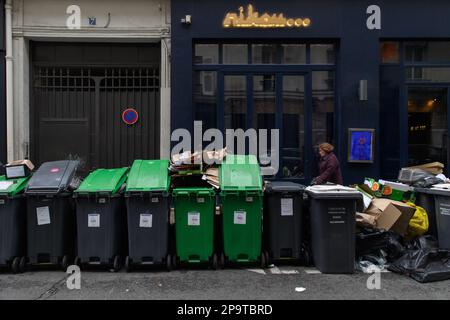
[[9, 82]]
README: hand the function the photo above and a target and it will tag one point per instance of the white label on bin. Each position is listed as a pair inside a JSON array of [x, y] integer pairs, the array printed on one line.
[[240, 217], [193, 218], [155, 200], [2, 201], [43, 216], [201, 200], [249, 199], [4, 185], [146, 221], [94, 220], [445, 210], [102, 200], [287, 207]]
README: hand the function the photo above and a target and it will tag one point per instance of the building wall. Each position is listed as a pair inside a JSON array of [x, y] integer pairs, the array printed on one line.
[[45, 20], [342, 20]]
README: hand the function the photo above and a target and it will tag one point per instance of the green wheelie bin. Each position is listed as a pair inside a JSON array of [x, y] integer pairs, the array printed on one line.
[[102, 219], [241, 200], [194, 226], [13, 224]]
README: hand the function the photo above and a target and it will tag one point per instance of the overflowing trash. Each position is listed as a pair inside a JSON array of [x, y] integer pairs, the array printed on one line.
[[424, 261]]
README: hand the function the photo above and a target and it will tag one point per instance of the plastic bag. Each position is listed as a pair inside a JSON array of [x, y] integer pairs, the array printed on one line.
[[419, 223], [423, 261]]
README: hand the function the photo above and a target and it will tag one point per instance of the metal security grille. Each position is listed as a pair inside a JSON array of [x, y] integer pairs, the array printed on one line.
[[77, 113]]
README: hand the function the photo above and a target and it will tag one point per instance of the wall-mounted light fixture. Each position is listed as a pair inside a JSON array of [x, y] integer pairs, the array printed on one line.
[[187, 20], [362, 91]]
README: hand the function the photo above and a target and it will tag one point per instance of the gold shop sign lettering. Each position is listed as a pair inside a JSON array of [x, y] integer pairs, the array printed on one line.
[[254, 20]]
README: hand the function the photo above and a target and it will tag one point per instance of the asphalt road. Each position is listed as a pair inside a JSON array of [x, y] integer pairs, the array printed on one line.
[[242, 284]]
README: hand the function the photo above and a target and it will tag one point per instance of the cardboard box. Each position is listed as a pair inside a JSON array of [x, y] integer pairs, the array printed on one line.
[[391, 215], [433, 168]]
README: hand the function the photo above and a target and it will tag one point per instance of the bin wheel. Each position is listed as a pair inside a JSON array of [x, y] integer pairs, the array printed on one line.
[[65, 262], [268, 260], [169, 265], [15, 266], [263, 260], [174, 261], [116, 264], [77, 262], [127, 264], [222, 261], [215, 263], [23, 264]]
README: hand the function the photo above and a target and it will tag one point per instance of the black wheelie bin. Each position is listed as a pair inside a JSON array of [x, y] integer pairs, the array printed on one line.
[[51, 214], [13, 219], [102, 219], [148, 207], [333, 210], [283, 222]]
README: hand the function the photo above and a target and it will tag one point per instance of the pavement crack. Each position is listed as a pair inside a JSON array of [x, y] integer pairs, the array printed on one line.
[[53, 290]]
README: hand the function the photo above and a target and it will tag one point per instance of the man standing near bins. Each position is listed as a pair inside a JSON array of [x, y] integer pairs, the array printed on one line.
[[329, 167]]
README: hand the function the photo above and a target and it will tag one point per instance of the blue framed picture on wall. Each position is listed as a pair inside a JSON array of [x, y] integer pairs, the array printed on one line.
[[361, 145]]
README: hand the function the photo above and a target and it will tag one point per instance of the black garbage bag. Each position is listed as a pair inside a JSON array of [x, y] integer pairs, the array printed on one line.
[[2, 169], [424, 261], [371, 241]]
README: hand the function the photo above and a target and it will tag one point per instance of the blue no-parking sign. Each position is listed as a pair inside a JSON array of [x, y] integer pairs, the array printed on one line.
[[130, 116]]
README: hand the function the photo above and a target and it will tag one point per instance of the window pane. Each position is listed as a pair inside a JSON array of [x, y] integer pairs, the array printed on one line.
[[322, 54], [389, 52], [323, 107], [293, 126], [427, 51], [235, 102], [294, 53], [235, 54], [206, 54], [205, 98], [427, 126], [264, 102], [264, 53], [420, 74]]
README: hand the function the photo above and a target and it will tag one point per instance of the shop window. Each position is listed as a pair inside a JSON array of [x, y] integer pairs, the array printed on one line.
[[205, 98], [235, 102], [264, 53], [322, 54], [428, 74], [390, 52], [427, 51], [235, 54], [323, 107], [294, 54], [293, 126], [206, 54]]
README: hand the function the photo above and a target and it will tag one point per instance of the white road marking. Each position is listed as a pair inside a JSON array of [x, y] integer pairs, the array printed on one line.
[[259, 271], [300, 289], [313, 272]]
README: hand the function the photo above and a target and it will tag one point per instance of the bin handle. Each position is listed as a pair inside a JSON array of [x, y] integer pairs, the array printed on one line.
[[203, 193], [182, 193]]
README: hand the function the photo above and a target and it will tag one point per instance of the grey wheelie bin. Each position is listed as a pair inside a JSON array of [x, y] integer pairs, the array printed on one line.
[[283, 221], [437, 204], [101, 219], [13, 216], [333, 210], [51, 214], [148, 206], [425, 198]]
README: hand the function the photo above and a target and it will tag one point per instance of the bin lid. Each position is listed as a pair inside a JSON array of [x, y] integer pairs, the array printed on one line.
[[283, 186], [12, 187], [53, 177], [437, 190], [333, 192], [193, 191], [240, 172], [148, 176], [106, 181]]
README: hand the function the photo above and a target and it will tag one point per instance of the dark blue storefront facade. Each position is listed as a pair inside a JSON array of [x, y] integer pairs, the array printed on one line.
[[321, 69]]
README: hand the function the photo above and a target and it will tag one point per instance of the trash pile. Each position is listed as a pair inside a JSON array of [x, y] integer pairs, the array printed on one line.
[[401, 226], [197, 168]]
